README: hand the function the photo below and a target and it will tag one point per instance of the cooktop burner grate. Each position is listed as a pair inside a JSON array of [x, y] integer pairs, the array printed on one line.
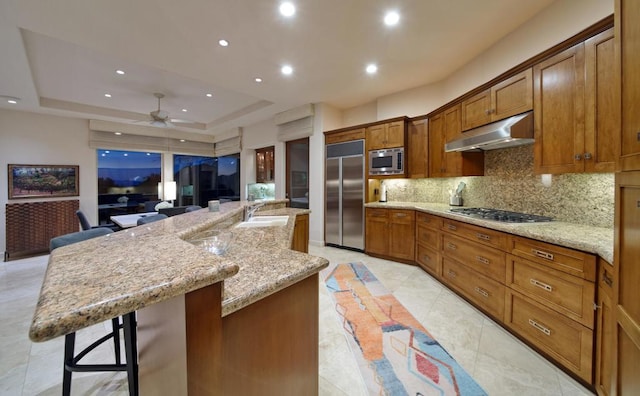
[[504, 216]]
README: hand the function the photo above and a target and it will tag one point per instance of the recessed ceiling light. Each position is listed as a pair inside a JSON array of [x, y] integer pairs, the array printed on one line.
[[120, 72], [182, 140], [372, 68], [287, 9], [286, 70], [209, 95], [107, 95], [10, 99], [118, 133], [258, 80], [391, 18], [223, 42], [184, 110]]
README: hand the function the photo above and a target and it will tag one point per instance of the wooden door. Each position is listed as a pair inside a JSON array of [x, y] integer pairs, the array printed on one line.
[[395, 134], [418, 149], [604, 330], [512, 96], [559, 112], [376, 231], [376, 137], [402, 234], [436, 145], [627, 15], [452, 130], [476, 110], [602, 105], [626, 281]]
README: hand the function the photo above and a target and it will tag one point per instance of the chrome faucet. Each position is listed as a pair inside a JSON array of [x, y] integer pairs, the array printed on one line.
[[251, 209]]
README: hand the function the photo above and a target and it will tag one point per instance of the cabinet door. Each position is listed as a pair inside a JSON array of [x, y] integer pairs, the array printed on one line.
[[512, 96], [376, 231], [417, 148], [452, 130], [559, 112], [301, 234], [376, 137], [602, 115], [476, 110], [402, 234], [395, 134], [264, 164], [626, 281], [436, 145], [604, 325], [627, 14]]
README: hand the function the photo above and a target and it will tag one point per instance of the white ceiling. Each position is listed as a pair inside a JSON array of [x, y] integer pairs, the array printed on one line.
[[60, 56]]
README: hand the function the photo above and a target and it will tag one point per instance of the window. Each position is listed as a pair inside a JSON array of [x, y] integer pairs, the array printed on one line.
[[201, 179]]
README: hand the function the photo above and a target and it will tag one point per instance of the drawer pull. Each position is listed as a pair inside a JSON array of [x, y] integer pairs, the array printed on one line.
[[426, 258], [606, 279], [541, 254], [539, 327], [451, 246], [483, 260], [482, 292], [452, 227], [451, 273], [484, 237], [541, 285], [401, 215]]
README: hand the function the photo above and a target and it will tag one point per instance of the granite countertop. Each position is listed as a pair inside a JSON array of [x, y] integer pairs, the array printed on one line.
[[105, 277], [590, 239]]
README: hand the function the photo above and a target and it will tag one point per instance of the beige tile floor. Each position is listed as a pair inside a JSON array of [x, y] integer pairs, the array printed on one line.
[[501, 364]]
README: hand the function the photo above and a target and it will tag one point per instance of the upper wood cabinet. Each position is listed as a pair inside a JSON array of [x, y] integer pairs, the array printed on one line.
[[627, 13], [576, 110], [387, 135], [417, 147], [509, 97], [444, 127], [264, 164], [344, 135]]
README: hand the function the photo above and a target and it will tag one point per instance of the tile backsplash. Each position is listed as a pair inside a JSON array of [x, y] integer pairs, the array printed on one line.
[[510, 184]]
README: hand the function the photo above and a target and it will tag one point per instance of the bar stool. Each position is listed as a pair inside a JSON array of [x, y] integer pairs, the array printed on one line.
[[71, 361]]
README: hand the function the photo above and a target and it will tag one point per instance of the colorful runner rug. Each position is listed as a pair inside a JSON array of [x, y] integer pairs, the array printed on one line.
[[396, 354]]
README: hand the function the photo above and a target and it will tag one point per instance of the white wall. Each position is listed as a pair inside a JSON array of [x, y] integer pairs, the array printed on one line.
[[262, 134], [28, 138]]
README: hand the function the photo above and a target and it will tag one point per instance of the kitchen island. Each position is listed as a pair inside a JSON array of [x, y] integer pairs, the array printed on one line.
[[197, 312]]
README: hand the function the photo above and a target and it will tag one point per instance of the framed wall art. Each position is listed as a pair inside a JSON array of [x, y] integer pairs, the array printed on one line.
[[43, 181]]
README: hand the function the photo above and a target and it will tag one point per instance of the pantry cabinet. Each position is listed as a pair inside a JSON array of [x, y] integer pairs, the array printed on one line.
[[390, 233], [627, 15], [387, 135], [505, 99], [417, 148], [576, 109]]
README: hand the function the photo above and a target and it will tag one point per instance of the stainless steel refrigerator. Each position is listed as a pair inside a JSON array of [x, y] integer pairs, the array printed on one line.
[[344, 203]]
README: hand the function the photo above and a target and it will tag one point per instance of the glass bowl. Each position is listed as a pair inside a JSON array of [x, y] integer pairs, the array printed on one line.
[[217, 243]]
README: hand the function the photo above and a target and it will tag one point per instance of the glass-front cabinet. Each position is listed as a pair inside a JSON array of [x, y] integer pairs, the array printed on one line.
[[265, 164]]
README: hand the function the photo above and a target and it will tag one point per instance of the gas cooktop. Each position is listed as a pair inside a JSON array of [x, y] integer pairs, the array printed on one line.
[[500, 215]]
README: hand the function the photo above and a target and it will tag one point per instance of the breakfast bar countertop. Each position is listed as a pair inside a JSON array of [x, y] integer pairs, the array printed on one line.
[[596, 240], [105, 277]]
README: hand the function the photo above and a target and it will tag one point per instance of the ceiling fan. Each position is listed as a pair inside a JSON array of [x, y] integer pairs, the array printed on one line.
[[160, 118]]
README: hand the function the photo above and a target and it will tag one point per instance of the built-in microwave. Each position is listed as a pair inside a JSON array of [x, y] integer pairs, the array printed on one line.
[[386, 162]]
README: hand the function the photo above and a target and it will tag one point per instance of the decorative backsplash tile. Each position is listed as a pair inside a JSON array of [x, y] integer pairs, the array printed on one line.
[[510, 183]]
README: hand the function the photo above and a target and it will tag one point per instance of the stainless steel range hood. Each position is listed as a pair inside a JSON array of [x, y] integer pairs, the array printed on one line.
[[513, 131]]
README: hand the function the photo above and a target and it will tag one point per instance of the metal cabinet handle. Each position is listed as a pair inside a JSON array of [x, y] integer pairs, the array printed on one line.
[[451, 273], [426, 258], [541, 254], [607, 280], [483, 260], [541, 285], [587, 156], [484, 237], [539, 327], [451, 227], [401, 215], [451, 246], [577, 157], [482, 292]]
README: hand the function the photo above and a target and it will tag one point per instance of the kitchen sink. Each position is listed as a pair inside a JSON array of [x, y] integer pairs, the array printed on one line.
[[264, 221]]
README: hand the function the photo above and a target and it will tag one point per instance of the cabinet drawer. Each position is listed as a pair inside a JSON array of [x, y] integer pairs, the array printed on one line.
[[377, 212], [605, 277], [563, 259], [428, 220], [482, 235], [428, 237], [486, 293], [428, 259], [569, 295], [344, 136], [402, 216], [483, 259], [570, 343]]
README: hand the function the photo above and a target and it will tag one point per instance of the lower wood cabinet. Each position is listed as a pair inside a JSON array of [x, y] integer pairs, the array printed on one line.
[[605, 323], [300, 240], [390, 233]]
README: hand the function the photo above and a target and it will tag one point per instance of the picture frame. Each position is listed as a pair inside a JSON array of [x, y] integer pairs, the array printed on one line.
[[43, 181], [298, 179]]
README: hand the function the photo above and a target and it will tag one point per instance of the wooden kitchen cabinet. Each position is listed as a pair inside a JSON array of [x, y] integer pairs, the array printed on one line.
[[428, 243], [300, 240], [343, 135], [626, 280], [605, 323], [387, 135], [627, 14], [390, 233], [417, 147], [576, 109], [505, 99], [444, 127], [265, 164]]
